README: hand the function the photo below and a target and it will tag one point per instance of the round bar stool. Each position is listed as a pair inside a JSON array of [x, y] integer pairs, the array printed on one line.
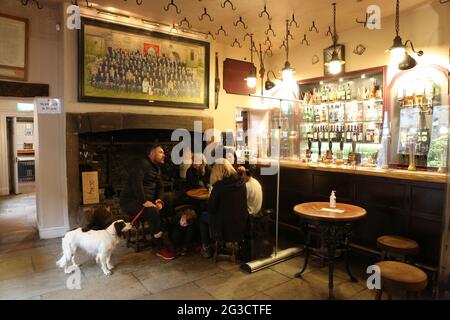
[[398, 246], [400, 276]]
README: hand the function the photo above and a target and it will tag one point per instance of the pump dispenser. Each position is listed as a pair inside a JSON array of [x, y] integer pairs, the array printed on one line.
[[333, 199]]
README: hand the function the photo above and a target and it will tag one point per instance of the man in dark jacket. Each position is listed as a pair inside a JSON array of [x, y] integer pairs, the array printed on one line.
[[143, 190]]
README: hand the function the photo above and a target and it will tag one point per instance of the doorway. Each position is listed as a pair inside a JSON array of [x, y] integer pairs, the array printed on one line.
[[18, 209]]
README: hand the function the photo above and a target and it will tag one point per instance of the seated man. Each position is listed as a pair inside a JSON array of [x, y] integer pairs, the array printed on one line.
[[142, 192]]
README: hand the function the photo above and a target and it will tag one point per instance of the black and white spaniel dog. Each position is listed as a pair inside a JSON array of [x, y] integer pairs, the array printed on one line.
[[98, 243]]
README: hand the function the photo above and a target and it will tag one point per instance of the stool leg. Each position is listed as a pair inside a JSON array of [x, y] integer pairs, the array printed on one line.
[[216, 249], [378, 294]]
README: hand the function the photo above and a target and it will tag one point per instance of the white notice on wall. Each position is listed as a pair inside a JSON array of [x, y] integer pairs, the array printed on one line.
[[48, 105]]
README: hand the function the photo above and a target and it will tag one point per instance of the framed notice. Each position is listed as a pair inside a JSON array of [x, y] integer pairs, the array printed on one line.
[[13, 47], [90, 187]]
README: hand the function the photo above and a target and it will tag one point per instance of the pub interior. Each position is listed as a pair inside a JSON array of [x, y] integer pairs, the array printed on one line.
[[265, 150]]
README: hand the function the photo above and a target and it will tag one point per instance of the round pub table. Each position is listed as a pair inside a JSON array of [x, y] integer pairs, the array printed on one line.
[[198, 194], [335, 229]]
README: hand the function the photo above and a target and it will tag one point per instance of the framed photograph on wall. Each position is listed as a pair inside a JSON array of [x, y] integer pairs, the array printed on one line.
[[13, 47], [126, 65]]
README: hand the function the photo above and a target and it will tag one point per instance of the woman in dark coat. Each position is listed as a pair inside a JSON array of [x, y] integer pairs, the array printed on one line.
[[227, 204]]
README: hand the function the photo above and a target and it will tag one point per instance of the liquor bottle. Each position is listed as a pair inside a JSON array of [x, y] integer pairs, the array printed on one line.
[[376, 135], [349, 133], [348, 93], [315, 134], [360, 133], [326, 132]]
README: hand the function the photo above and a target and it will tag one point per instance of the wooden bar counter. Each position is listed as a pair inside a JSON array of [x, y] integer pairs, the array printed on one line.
[[398, 202]]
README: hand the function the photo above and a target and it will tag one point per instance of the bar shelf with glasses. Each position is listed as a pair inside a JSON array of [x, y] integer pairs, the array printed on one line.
[[339, 112]]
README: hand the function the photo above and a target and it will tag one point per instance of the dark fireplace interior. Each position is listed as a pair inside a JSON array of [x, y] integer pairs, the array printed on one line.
[[113, 153]]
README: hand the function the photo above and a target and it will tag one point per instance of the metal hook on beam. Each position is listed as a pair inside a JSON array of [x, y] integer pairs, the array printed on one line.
[[205, 14], [166, 8]]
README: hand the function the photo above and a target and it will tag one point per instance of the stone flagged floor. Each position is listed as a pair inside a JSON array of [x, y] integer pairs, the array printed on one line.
[[28, 271]]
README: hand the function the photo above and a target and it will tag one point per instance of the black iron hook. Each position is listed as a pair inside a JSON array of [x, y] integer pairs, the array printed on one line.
[[38, 4], [185, 20], [265, 12], [268, 51], [329, 33], [268, 40], [270, 29], [365, 21], [313, 27], [248, 35], [210, 34], [166, 8], [236, 42], [283, 45], [223, 30], [231, 4], [139, 2], [293, 21], [304, 40], [241, 22], [205, 13]]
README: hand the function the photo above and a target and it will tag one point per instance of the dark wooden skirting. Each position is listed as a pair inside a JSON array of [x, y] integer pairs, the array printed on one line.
[[23, 90], [408, 208]]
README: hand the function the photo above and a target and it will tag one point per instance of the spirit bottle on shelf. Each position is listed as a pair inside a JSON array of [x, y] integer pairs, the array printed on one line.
[[326, 133], [349, 133], [360, 133], [376, 135], [316, 134]]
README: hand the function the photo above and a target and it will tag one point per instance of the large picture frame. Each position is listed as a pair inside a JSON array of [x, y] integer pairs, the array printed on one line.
[[13, 48], [125, 65]]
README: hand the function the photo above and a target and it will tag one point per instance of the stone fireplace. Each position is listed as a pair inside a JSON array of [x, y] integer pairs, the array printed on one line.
[[109, 143]]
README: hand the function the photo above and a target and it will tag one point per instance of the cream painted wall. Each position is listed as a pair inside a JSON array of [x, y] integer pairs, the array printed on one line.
[[427, 26], [45, 66], [42, 58]]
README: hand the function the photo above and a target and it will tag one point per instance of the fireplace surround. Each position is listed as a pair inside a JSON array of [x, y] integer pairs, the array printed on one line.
[[108, 143]]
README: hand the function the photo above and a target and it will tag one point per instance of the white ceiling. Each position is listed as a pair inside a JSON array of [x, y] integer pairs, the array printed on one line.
[[305, 12]]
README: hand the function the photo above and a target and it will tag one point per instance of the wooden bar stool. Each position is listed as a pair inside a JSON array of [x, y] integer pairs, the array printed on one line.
[[139, 236], [400, 276], [396, 245], [221, 251]]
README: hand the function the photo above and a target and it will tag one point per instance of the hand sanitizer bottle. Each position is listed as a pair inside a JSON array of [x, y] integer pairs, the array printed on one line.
[[333, 199]]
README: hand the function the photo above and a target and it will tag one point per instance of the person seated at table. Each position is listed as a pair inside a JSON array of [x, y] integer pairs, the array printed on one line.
[[227, 203], [254, 189], [197, 176], [181, 228], [142, 193]]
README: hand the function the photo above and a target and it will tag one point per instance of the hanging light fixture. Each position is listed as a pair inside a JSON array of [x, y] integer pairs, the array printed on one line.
[[287, 70], [251, 78], [335, 64], [399, 55]]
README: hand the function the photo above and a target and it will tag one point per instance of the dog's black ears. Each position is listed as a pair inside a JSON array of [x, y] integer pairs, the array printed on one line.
[[119, 225]]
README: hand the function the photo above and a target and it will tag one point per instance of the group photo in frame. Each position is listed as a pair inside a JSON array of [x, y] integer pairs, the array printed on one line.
[[13, 48], [127, 65]]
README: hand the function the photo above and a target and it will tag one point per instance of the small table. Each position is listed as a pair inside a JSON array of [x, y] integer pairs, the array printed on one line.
[[198, 194], [335, 228]]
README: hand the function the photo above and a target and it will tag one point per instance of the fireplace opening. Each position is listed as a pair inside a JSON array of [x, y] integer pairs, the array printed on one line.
[[111, 154]]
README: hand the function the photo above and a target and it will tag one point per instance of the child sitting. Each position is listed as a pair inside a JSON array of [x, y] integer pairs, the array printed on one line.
[[181, 228]]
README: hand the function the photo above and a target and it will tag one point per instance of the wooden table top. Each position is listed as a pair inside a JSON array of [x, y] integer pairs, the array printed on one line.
[[199, 194], [312, 210]]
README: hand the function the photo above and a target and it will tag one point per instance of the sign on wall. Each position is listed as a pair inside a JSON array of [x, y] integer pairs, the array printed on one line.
[[48, 105], [90, 187]]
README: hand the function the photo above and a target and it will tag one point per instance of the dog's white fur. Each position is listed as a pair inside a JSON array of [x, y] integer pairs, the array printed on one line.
[[99, 243]]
